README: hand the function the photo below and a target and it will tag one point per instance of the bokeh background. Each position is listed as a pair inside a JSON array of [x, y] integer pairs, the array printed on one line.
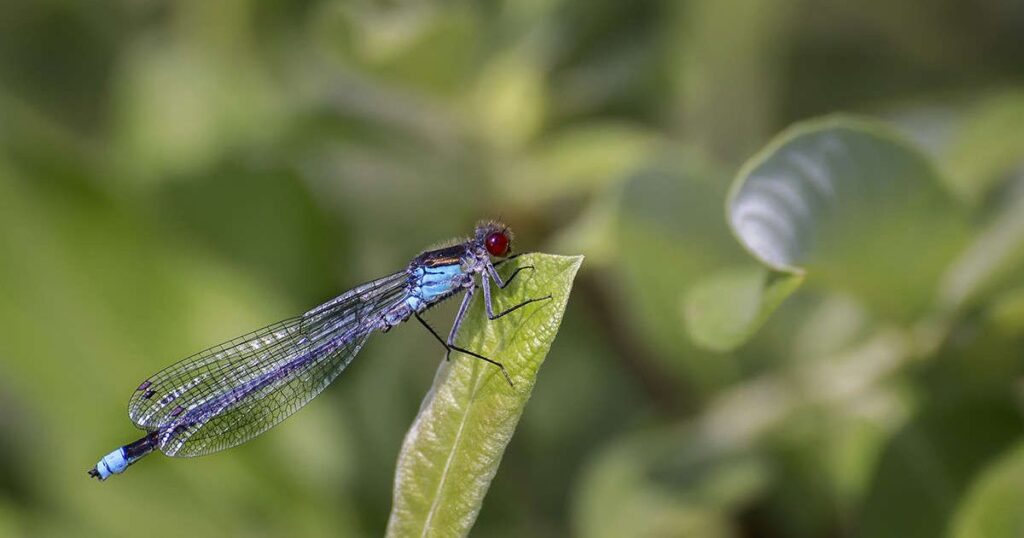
[[173, 174]]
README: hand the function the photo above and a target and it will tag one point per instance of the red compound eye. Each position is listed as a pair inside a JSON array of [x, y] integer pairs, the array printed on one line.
[[497, 244]]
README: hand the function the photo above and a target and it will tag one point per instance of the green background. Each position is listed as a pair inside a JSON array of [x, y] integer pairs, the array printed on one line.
[[173, 174]]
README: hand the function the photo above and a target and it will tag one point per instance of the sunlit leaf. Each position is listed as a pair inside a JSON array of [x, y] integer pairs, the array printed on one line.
[[454, 447]]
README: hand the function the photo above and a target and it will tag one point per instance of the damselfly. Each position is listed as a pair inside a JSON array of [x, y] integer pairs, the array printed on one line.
[[228, 394]]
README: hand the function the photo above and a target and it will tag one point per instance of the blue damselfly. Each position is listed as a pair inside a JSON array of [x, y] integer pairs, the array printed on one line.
[[230, 393]]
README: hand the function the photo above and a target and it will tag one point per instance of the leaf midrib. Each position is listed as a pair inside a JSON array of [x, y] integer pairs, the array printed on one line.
[[474, 388]]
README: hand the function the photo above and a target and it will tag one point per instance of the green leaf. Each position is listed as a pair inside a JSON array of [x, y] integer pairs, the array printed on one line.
[[855, 207], [576, 161], [844, 201], [725, 89], [926, 468], [1006, 314], [667, 481], [668, 235], [725, 310], [509, 100], [182, 106], [429, 50], [692, 475], [988, 144], [992, 508], [992, 261], [454, 447]]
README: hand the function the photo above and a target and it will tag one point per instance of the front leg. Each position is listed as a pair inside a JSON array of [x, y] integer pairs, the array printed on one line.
[[509, 258], [485, 282], [502, 284]]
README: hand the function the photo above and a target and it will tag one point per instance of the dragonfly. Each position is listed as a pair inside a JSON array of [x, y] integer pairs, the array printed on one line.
[[230, 393]]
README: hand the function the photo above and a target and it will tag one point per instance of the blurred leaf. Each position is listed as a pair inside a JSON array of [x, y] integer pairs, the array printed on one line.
[[126, 300], [723, 311], [11, 519], [928, 465], [989, 142], [509, 101], [453, 450], [261, 216], [833, 324], [994, 506], [927, 124], [579, 160], [421, 47], [593, 231], [666, 482], [669, 234], [684, 480], [994, 258], [854, 206], [1007, 313], [59, 57], [184, 100]]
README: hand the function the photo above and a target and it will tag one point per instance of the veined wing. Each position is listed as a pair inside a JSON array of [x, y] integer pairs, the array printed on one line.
[[230, 393]]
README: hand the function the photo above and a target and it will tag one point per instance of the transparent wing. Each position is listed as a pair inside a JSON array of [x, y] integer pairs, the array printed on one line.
[[230, 393]]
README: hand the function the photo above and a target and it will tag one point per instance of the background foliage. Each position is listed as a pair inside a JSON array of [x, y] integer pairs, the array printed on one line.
[[173, 174]]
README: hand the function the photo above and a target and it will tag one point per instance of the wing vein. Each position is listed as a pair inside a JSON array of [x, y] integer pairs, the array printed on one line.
[[232, 392]]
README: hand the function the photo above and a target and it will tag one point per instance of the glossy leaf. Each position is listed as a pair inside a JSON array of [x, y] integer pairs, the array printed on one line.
[[855, 207]]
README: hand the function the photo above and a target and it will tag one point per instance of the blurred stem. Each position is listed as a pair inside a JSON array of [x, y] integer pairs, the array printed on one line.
[[725, 88]]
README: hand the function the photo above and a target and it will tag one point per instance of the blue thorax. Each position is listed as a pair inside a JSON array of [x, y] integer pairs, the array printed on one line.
[[431, 284]]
